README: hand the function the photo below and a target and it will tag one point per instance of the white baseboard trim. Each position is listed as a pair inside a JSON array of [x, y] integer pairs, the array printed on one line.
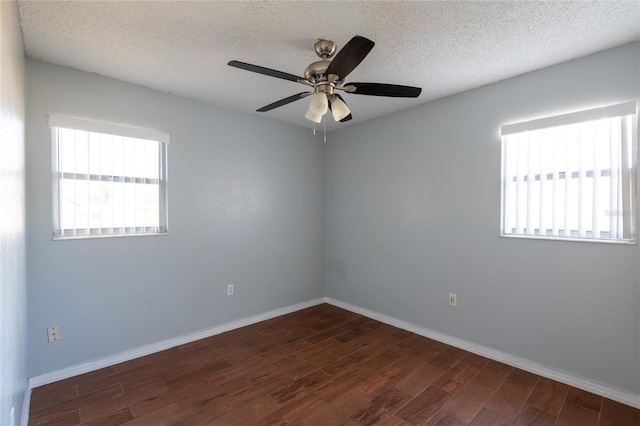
[[107, 361], [615, 394], [26, 402]]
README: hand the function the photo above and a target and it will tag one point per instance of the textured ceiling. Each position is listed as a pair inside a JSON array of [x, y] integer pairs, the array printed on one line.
[[183, 47]]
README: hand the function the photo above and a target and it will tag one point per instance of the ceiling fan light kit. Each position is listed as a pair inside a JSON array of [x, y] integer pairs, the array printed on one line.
[[326, 76], [319, 104], [339, 109], [311, 116]]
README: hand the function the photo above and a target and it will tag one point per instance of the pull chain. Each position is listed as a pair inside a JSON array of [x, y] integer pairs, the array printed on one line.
[[325, 130], [324, 123]]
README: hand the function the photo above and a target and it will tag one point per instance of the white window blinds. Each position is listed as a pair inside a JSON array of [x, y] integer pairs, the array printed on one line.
[[108, 179], [571, 176]]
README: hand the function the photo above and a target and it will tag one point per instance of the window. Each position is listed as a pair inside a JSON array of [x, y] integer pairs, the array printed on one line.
[[108, 180], [571, 176]]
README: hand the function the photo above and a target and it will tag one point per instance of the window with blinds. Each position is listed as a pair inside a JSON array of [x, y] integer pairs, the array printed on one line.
[[108, 180], [572, 176]]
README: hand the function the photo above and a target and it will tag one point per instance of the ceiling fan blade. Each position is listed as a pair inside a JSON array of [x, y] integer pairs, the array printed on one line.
[[380, 89], [350, 56], [264, 71], [284, 101]]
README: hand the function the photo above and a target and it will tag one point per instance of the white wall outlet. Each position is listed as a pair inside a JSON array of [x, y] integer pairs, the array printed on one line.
[[453, 299], [53, 333], [230, 290]]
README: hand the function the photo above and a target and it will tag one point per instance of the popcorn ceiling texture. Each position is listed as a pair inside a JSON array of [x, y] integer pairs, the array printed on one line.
[[444, 47]]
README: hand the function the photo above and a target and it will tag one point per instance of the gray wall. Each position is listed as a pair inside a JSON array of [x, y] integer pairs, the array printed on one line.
[[13, 285], [246, 197], [413, 213]]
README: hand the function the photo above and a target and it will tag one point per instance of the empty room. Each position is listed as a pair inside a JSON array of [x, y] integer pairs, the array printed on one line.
[[319, 213]]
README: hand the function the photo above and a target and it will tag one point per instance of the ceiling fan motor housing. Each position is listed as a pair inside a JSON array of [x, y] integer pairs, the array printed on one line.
[[316, 71]]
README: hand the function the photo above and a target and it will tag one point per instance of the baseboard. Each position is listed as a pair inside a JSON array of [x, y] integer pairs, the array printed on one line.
[[107, 361], [619, 395], [615, 394], [26, 402]]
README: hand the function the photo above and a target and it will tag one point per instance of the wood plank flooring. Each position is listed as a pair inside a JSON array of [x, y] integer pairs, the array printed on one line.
[[319, 366]]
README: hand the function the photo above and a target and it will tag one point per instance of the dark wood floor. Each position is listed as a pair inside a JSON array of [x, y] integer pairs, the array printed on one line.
[[319, 366]]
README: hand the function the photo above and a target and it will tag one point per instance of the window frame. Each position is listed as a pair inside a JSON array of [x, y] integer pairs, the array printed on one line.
[[611, 111], [56, 122]]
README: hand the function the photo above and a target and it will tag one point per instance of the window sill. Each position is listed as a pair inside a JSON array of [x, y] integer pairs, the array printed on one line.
[[579, 240], [85, 237]]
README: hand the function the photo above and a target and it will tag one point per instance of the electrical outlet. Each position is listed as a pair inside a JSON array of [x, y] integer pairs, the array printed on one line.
[[230, 290], [453, 299], [53, 333]]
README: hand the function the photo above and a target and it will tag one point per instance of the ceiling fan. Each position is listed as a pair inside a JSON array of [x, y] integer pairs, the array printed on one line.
[[325, 77]]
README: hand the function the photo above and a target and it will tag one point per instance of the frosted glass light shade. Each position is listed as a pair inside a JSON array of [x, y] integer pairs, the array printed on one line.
[[339, 109], [319, 104], [312, 116]]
